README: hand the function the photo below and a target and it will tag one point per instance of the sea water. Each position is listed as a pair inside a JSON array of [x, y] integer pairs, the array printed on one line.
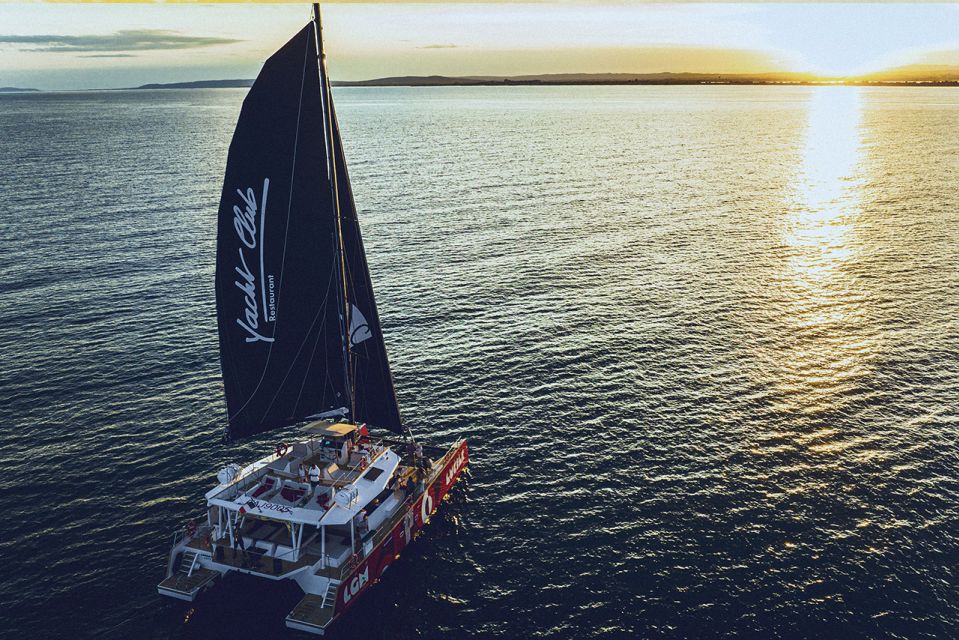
[[703, 341]]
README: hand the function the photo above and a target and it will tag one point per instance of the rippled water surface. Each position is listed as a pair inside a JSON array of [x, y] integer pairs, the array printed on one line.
[[703, 340]]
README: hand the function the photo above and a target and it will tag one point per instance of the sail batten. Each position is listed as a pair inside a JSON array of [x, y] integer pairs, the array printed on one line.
[[286, 281]]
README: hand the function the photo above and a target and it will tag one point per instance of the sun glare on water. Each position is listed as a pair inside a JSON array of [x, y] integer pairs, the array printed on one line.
[[828, 196], [823, 303]]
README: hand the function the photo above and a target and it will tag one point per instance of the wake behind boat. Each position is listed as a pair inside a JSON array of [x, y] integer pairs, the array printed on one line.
[[300, 343]]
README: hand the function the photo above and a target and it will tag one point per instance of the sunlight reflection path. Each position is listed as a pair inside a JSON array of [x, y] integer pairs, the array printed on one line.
[[823, 302]]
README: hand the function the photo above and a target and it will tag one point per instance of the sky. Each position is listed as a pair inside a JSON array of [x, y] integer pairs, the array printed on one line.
[[78, 46]]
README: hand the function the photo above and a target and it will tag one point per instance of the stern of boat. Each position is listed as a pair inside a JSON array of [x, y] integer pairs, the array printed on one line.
[[189, 566], [316, 612]]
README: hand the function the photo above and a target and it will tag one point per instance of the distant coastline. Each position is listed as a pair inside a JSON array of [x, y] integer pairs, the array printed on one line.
[[200, 84], [948, 79], [645, 79], [912, 76]]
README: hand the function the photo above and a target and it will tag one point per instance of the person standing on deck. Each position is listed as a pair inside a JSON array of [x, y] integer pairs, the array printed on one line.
[[302, 472], [418, 453], [238, 543], [420, 482], [314, 475], [362, 523]]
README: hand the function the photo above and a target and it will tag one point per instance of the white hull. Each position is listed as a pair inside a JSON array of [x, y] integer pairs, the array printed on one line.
[[318, 548]]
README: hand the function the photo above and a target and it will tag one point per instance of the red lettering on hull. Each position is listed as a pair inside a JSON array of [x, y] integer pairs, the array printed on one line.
[[367, 572]]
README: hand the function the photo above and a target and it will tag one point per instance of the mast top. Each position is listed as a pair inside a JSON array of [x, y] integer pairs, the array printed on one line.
[[318, 29], [269, 264]]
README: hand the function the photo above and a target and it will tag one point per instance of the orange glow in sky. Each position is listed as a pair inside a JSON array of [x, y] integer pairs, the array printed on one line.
[[105, 45]]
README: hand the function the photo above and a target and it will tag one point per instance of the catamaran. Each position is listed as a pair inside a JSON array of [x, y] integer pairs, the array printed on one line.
[[300, 344]]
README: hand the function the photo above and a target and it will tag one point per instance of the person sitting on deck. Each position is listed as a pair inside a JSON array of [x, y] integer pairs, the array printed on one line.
[[314, 475], [325, 498]]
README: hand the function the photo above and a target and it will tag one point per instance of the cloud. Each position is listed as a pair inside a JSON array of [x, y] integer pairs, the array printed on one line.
[[439, 46], [125, 40], [108, 55]]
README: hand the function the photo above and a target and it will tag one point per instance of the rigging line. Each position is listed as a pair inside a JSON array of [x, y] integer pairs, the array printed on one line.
[[374, 313], [317, 31], [312, 358], [299, 349], [286, 232], [286, 376], [327, 96]]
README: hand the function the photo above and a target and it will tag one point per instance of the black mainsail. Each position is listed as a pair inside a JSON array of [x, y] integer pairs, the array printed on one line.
[[298, 326]]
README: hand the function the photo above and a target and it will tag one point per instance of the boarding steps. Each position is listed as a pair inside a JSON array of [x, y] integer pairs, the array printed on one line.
[[314, 613], [188, 562], [188, 577], [329, 599]]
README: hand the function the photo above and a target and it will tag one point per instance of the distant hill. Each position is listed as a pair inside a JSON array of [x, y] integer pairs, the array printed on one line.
[[412, 81], [586, 78], [15, 90], [201, 84], [913, 75], [916, 73], [664, 77]]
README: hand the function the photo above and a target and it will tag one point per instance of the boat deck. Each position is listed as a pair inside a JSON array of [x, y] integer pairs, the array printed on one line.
[[200, 544], [341, 477], [285, 471], [261, 563], [310, 613], [268, 483], [187, 585]]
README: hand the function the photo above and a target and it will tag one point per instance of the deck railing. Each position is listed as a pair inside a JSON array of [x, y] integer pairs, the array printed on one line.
[[380, 533], [386, 527], [376, 448], [202, 531]]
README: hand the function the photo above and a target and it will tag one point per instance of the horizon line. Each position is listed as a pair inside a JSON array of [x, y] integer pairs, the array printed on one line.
[[896, 76]]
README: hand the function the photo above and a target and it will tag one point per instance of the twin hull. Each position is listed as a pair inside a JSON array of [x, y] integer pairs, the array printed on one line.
[[368, 567]]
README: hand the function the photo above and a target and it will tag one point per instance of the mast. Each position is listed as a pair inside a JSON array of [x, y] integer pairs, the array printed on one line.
[[300, 335], [342, 299]]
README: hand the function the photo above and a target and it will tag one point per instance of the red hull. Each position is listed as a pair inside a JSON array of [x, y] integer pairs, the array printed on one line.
[[372, 567]]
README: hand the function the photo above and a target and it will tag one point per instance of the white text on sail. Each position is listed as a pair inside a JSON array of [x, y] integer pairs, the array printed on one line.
[[245, 224]]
